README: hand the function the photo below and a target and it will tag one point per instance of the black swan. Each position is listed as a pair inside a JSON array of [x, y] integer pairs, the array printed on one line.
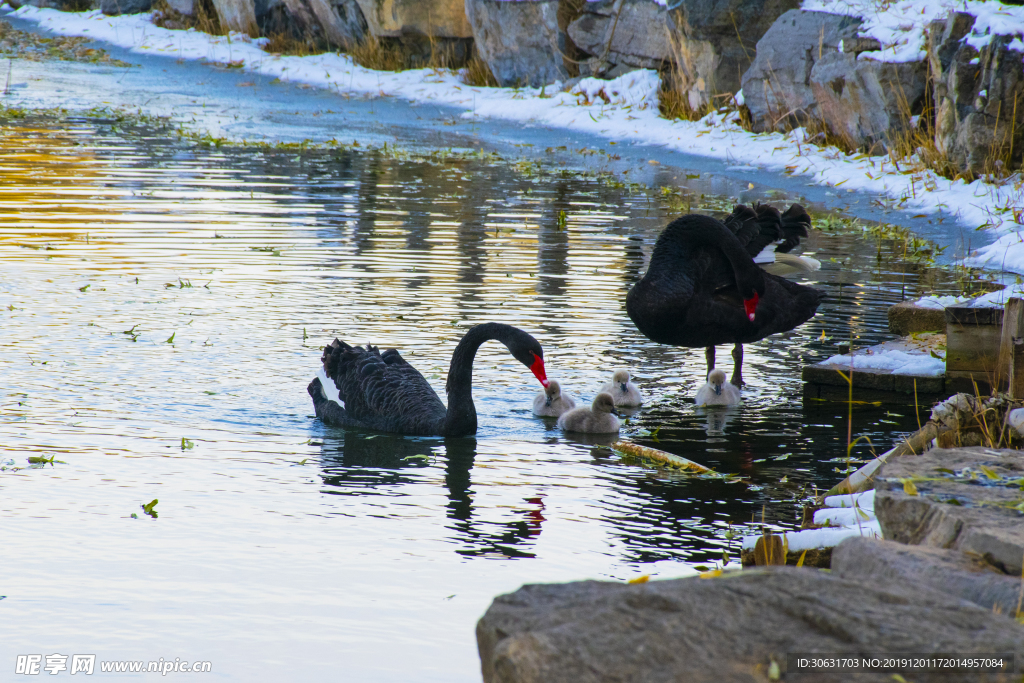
[[599, 418], [623, 392], [552, 402], [703, 288], [383, 392]]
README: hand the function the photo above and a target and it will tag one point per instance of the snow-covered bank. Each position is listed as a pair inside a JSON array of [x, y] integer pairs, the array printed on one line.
[[623, 110]]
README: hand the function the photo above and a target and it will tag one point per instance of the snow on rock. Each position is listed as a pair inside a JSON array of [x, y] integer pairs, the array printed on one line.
[[633, 89], [865, 500], [899, 362], [846, 515], [843, 516], [828, 537], [901, 27], [939, 302]]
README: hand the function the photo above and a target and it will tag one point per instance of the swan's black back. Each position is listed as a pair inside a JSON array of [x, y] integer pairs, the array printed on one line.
[[382, 391], [690, 295]]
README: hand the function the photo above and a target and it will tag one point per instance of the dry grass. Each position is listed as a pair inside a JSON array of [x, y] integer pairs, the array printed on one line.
[[285, 43], [373, 53], [679, 98], [205, 18], [477, 73], [393, 54]]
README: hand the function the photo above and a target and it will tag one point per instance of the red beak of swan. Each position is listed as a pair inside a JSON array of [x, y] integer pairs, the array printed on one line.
[[538, 369], [750, 305]]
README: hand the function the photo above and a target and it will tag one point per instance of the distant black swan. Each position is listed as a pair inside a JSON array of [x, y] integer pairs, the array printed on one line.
[[703, 287], [381, 391]]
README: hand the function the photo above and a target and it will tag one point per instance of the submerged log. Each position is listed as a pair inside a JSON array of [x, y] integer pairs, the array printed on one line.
[[661, 457]]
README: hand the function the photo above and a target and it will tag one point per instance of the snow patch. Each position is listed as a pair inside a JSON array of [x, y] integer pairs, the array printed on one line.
[[899, 362]]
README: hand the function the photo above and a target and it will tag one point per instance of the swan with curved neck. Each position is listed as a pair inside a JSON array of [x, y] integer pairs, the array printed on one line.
[[382, 391]]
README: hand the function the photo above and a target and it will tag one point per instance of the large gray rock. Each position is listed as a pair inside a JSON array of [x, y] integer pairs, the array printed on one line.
[[979, 97], [777, 86], [726, 629], [400, 18], [328, 23], [520, 41], [238, 16], [114, 7], [716, 41], [968, 499], [955, 573], [633, 33], [866, 102]]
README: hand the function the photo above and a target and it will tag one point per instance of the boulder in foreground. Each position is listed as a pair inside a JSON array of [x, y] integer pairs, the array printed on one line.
[[729, 628]]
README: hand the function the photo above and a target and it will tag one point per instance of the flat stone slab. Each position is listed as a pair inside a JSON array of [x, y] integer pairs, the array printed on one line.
[[953, 572], [969, 499], [729, 628], [907, 318]]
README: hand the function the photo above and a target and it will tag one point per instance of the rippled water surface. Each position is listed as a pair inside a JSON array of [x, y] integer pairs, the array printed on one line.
[[163, 307]]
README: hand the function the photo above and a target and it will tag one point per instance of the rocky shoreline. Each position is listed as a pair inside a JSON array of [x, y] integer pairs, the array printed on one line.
[[963, 94]]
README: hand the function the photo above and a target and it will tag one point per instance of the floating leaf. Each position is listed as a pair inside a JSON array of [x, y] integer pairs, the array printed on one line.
[[989, 472], [186, 444], [170, 340], [713, 574], [643, 578], [83, 288], [149, 508], [909, 488], [134, 516]]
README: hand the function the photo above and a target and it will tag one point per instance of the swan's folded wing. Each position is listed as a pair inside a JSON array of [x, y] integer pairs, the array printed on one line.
[[376, 387], [756, 229]]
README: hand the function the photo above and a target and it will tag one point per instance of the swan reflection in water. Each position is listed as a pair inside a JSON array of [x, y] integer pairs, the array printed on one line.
[[374, 463], [717, 417]]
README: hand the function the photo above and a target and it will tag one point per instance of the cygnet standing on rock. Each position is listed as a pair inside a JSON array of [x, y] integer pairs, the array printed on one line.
[[622, 391], [552, 402], [600, 418], [717, 392]]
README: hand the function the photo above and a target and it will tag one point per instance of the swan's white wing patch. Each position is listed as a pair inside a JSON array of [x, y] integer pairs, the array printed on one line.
[[328, 388], [766, 255]]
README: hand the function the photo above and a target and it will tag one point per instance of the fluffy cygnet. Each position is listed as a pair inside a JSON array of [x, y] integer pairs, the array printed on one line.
[[552, 402], [622, 391], [598, 419], [717, 392]]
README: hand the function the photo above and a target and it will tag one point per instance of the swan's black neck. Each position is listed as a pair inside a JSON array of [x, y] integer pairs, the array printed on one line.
[[692, 232], [461, 417]]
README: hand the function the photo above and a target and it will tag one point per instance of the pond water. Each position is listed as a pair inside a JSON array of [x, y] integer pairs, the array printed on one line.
[[163, 307]]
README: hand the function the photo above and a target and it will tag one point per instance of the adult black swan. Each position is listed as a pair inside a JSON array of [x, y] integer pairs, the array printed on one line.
[[374, 390], [703, 287]]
